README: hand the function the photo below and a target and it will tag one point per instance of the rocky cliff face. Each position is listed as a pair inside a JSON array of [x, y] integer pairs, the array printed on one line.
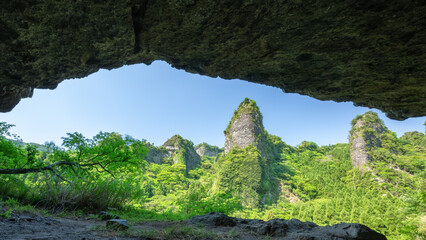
[[368, 52], [182, 151], [245, 127], [156, 154], [365, 134], [205, 149], [174, 150]]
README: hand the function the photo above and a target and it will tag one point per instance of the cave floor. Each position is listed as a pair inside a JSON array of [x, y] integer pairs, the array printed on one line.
[[29, 226]]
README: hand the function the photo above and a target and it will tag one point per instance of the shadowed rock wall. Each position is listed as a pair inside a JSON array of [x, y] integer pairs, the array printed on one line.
[[372, 53]]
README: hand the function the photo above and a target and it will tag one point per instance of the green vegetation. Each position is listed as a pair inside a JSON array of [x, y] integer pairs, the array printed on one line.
[[307, 182], [90, 174], [178, 151], [208, 149], [240, 174]]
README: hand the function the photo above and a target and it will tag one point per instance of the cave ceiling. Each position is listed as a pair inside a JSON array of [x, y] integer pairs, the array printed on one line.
[[372, 53]]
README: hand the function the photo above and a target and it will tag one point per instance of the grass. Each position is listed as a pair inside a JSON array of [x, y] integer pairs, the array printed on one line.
[[11, 206], [137, 214]]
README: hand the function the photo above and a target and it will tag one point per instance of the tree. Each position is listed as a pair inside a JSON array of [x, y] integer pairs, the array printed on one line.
[[306, 145], [105, 152]]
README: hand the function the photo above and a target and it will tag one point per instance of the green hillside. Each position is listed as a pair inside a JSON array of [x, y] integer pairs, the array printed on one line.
[[266, 179]]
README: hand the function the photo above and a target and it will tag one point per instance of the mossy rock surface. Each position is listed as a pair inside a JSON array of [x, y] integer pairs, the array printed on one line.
[[372, 53]]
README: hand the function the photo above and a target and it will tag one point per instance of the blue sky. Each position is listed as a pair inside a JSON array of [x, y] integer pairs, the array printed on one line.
[[155, 102]]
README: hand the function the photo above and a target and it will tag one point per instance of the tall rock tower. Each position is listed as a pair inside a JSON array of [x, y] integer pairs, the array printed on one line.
[[245, 127], [364, 135], [245, 168]]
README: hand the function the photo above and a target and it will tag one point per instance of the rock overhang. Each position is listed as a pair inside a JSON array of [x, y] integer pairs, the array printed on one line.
[[372, 53]]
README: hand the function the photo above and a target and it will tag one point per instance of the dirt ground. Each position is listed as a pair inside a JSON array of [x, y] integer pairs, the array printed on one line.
[[35, 227]]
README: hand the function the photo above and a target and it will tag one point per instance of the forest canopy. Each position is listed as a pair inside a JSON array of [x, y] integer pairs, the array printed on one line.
[[308, 182]]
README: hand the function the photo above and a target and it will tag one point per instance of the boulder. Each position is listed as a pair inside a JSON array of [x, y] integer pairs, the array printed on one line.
[[213, 219], [289, 229], [117, 224]]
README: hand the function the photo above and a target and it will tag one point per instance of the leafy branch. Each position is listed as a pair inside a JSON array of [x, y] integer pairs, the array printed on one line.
[[105, 152]]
